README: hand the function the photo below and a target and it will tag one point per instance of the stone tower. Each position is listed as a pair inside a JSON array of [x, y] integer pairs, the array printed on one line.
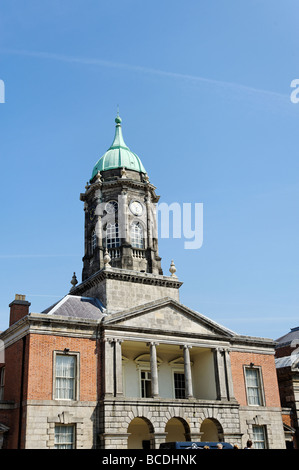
[[120, 227], [120, 213]]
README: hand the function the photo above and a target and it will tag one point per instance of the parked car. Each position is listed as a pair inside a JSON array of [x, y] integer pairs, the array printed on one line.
[[195, 445]]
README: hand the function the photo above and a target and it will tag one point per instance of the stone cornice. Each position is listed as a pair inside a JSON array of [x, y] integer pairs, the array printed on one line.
[[127, 276], [42, 323], [123, 183], [37, 323]]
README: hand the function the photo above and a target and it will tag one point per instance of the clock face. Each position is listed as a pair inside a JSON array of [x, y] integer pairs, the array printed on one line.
[[136, 207], [111, 207]]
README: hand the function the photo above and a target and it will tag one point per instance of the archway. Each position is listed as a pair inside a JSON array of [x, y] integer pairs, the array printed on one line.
[[177, 430], [212, 430], [140, 430]]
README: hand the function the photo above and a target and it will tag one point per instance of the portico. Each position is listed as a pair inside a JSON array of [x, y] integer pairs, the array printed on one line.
[[166, 364]]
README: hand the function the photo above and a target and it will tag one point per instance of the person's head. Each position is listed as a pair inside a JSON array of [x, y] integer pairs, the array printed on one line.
[[219, 446], [249, 443]]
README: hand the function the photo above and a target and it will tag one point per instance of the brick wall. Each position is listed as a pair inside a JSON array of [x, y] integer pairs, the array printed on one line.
[[286, 418], [15, 356], [267, 364], [284, 351], [37, 357], [41, 365]]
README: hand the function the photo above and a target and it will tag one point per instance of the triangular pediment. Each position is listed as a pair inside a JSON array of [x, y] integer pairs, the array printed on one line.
[[167, 315]]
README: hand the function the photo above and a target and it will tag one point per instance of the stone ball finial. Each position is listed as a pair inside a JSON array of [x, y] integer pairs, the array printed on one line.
[[106, 259], [172, 269], [74, 280]]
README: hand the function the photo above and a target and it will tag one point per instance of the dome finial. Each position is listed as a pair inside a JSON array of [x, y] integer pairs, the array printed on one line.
[[118, 118]]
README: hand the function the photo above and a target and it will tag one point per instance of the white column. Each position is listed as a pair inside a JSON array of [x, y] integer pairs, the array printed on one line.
[[188, 374], [154, 369]]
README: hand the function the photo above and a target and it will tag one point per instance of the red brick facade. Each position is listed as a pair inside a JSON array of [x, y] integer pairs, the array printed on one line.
[[32, 357], [267, 364], [41, 365]]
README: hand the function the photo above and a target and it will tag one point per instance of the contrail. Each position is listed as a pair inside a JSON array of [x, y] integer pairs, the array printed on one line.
[[34, 256], [143, 70]]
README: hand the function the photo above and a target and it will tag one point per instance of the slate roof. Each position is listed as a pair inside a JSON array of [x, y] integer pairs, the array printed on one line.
[[289, 337], [78, 307], [287, 361]]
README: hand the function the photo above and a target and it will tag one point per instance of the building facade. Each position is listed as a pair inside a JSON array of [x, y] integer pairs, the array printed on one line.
[[287, 368], [120, 362]]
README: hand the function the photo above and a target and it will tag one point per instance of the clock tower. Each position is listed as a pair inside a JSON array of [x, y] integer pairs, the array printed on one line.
[[121, 263], [120, 213]]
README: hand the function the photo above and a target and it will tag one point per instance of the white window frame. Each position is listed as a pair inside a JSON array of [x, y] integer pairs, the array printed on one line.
[[145, 370], [178, 367], [76, 388], [143, 365], [178, 371], [137, 237], [112, 239], [57, 445], [256, 441], [260, 388]]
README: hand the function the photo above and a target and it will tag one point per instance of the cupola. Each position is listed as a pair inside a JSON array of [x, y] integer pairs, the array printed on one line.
[[118, 155]]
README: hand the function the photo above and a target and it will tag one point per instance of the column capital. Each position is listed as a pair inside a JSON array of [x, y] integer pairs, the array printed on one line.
[[110, 340], [185, 346], [113, 340], [152, 343], [221, 349]]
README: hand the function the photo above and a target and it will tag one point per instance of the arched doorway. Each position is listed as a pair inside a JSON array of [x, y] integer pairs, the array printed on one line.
[[212, 430], [177, 430], [140, 430]]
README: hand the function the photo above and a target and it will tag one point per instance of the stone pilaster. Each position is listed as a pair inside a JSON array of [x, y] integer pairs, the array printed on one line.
[[109, 367], [118, 368], [229, 377]]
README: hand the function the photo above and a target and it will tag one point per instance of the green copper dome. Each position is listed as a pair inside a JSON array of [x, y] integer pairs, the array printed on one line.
[[118, 155]]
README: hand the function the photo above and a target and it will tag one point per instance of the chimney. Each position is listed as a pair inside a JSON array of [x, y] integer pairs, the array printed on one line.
[[19, 308]]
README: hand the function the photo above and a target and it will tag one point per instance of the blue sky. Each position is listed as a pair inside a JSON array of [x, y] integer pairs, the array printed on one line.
[[203, 89]]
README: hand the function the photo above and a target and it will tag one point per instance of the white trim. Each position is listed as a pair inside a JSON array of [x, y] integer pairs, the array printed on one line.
[[260, 384], [77, 375], [177, 370]]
